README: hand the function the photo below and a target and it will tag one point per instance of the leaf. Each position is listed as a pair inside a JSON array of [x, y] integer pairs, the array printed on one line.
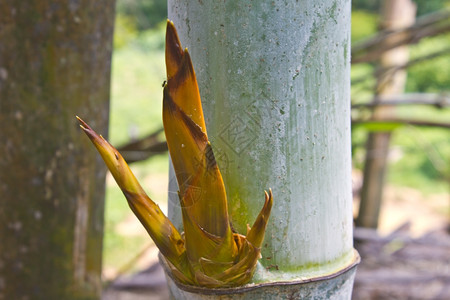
[[379, 126]]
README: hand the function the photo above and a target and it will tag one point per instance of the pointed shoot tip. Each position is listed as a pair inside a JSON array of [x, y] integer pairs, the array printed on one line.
[[83, 124], [170, 25]]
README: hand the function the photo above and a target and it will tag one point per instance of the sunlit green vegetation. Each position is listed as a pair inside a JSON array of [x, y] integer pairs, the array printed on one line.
[[420, 156]]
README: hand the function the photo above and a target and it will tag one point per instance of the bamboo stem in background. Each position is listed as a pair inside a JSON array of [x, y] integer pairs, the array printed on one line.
[[396, 14]]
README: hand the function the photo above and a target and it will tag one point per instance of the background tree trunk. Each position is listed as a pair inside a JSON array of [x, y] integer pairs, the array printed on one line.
[[274, 80], [55, 59], [396, 14]]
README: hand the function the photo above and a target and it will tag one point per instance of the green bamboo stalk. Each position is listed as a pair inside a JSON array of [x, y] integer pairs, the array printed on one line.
[[274, 83]]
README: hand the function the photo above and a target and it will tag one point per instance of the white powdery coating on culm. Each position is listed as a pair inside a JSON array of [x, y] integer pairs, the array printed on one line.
[[274, 81]]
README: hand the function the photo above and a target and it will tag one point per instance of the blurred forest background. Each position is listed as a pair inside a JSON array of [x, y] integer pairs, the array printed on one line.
[[419, 156]]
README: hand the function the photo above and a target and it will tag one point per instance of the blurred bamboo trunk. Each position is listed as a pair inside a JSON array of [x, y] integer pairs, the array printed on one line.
[[55, 59], [396, 14]]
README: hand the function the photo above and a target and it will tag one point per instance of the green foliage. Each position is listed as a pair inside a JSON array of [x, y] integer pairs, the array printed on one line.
[[362, 91], [372, 6], [124, 31], [419, 157], [145, 13], [380, 126], [137, 74], [424, 162], [431, 76], [427, 6], [364, 24], [423, 159], [116, 244], [418, 153]]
